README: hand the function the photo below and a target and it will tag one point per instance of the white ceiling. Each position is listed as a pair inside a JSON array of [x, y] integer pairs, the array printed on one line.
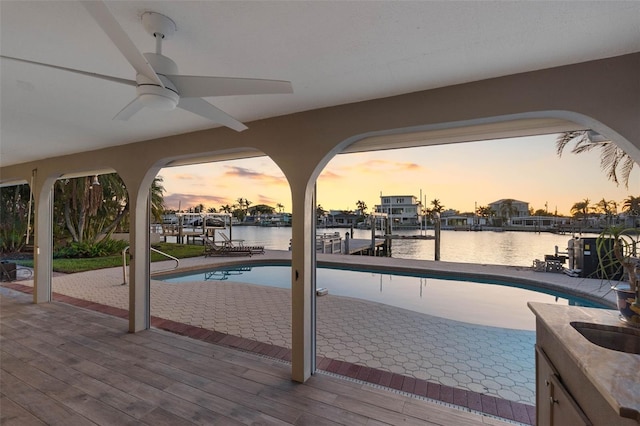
[[332, 52]]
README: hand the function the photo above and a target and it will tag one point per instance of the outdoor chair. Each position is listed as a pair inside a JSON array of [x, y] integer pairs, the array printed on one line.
[[213, 249], [230, 243]]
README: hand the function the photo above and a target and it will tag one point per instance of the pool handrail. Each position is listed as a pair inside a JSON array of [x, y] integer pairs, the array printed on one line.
[[124, 262]]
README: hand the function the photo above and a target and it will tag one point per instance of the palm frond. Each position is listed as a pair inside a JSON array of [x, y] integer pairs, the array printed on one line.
[[609, 160], [616, 163], [625, 170], [565, 138]]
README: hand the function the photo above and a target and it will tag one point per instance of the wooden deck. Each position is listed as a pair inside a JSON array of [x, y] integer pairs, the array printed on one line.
[[60, 364], [362, 246]]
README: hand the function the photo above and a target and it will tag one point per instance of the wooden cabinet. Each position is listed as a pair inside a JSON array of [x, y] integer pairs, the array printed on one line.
[[554, 404]]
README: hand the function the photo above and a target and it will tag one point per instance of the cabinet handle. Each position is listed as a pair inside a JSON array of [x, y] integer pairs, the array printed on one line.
[[546, 383], [552, 400]]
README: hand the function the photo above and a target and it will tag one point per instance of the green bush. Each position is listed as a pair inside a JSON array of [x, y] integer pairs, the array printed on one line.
[[105, 247]]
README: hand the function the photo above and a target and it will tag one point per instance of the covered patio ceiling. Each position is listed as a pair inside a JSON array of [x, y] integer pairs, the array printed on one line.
[[333, 53]]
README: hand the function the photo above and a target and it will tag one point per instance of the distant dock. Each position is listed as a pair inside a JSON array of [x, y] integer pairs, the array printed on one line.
[[363, 247], [408, 237], [333, 243]]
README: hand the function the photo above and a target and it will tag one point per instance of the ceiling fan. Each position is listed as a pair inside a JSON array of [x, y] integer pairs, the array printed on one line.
[[158, 84]]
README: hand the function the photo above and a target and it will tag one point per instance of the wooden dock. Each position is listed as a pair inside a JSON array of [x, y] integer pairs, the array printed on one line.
[[363, 247], [408, 237]]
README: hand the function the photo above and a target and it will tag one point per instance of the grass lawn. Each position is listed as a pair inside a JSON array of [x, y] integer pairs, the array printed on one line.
[[69, 266]]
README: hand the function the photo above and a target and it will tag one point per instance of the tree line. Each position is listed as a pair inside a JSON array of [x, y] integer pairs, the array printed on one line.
[[240, 209]]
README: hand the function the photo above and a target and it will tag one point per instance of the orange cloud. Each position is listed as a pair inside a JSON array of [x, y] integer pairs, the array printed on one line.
[[330, 175], [185, 177], [390, 166], [184, 201], [265, 199], [244, 173]]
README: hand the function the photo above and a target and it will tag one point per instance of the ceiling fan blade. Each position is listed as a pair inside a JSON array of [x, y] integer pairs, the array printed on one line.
[[192, 86], [103, 16], [131, 108], [89, 74], [205, 109]]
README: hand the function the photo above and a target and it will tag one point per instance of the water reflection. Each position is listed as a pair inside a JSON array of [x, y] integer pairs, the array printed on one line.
[[477, 302], [486, 247]]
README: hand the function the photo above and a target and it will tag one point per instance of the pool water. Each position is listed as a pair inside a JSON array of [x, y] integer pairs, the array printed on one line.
[[491, 303]]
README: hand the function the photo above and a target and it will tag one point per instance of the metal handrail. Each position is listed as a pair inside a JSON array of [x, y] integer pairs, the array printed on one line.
[[124, 262]]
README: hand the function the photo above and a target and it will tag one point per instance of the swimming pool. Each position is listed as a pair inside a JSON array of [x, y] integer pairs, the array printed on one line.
[[484, 302]]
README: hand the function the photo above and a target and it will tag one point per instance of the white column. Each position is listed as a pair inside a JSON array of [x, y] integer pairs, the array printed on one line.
[[139, 272], [302, 283], [43, 241]]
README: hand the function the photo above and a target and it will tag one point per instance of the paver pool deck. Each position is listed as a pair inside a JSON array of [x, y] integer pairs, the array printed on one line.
[[485, 360]]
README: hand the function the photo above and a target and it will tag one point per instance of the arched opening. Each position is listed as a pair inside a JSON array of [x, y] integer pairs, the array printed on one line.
[[227, 213], [381, 339], [90, 230]]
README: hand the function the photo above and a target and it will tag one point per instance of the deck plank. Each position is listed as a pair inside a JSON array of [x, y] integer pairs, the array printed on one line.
[[60, 364], [12, 414]]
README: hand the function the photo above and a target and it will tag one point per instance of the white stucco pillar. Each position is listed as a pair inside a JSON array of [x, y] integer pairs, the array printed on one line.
[[139, 269], [43, 240], [302, 283]]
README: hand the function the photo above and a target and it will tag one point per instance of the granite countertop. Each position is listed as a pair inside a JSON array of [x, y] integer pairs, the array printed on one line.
[[615, 374]]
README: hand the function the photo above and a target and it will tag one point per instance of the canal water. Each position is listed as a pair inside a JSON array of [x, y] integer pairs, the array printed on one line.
[[485, 247]]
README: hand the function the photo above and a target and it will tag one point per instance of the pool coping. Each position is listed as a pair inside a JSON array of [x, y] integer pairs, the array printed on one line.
[[596, 290]]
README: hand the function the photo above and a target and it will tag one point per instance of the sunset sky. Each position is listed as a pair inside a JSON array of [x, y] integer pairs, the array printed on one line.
[[459, 175]]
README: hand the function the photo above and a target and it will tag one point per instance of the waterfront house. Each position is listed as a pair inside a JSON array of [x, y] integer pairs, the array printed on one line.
[[466, 222], [366, 77], [540, 223], [340, 219], [402, 210], [274, 219], [507, 208]]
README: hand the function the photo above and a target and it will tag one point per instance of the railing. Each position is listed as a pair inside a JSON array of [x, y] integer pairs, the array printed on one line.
[[329, 243], [124, 263]]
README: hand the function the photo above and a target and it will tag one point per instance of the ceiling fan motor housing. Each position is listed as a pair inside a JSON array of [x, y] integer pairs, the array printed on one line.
[[150, 93]]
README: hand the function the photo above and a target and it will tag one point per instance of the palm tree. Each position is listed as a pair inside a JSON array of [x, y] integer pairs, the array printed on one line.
[[507, 209], [437, 207], [157, 199], [280, 207], [212, 210], [485, 211], [581, 208], [90, 210], [362, 207], [631, 205], [226, 208], [608, 208], [239, 203], [87, 209], [612, 158]]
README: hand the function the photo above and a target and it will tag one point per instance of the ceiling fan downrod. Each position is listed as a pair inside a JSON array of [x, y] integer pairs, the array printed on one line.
[[158, 26]]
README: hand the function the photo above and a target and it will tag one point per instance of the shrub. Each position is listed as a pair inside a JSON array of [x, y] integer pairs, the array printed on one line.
[[105, 247]]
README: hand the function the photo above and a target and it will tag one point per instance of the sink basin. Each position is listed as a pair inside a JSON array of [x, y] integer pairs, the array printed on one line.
[[622, 339]]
